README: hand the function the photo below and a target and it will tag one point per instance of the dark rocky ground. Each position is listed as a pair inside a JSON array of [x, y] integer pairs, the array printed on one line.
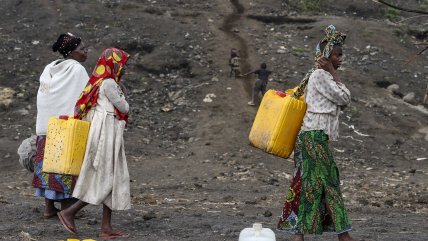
[[194, 175]]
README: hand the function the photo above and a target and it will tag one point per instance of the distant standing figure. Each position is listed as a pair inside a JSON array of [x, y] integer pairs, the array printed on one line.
[[261, 83], [61, 83], [235, 68], [104, 177]]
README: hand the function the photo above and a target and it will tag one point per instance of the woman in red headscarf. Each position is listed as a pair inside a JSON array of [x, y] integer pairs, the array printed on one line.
[[104, 176]]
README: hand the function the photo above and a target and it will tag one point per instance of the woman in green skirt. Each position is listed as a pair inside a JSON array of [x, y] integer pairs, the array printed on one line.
[[314, 203]]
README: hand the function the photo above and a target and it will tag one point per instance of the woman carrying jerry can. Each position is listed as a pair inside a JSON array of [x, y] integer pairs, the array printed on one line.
[[104, 176], [314, 203]]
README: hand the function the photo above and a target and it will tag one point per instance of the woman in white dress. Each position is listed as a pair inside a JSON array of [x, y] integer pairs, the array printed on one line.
[[104, 176], [61, 83]]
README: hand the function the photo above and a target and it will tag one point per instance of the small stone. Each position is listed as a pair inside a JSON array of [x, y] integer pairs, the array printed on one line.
[[394, 88], [149, 215], [272, 181], [267, 213], [376, 204], [389, 203], [167, 108], [92, 221], [228, 198], [409, 98], [281, 51], [23, 112], [208, 98], [363, 202]]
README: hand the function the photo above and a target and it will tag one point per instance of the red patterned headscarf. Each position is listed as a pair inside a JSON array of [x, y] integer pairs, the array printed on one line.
[[109, 65]]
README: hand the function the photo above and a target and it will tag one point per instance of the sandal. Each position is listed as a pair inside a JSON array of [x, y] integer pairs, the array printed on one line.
[[114, 234]]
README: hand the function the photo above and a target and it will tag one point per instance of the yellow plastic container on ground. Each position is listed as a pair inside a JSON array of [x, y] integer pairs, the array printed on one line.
[[65, 146], [277, 123]]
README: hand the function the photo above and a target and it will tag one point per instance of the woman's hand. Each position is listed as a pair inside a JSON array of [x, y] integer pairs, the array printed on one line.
[[326, 65], [123, 88]]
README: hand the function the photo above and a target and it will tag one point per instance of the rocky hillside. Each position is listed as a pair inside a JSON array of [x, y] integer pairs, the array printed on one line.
[[194, 174]]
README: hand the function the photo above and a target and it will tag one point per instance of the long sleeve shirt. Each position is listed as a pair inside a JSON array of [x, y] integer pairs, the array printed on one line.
[[115, 95], [324, 97]]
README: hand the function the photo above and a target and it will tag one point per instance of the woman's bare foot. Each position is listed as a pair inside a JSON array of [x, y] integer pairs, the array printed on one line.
[[345, 237], [113, 234], [50, 213], [50, 209], [297, 237]]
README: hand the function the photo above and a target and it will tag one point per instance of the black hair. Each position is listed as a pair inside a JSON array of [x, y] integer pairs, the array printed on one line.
[[263, 66], [66, 43]]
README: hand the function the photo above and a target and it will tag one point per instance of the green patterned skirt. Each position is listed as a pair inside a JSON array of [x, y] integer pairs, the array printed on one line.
[[314, 203]]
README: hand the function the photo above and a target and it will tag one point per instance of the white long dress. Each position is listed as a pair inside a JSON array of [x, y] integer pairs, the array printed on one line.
[[104, 177]]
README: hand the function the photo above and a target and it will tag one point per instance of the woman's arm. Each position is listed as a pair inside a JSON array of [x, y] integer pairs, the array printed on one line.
[[333, 90], [116, 96]]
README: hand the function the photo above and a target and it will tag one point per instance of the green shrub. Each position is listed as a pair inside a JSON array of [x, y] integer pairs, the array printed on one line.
[[392, 13], [311, 5], [299, 50]]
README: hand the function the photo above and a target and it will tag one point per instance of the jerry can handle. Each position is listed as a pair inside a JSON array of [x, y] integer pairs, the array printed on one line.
[[65, 117]]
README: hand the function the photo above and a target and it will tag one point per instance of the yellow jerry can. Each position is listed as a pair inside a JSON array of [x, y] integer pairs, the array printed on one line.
[[65, 145], [277, 123]]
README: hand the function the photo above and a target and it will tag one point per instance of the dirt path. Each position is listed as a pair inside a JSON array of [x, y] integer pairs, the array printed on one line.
[[228, 27]]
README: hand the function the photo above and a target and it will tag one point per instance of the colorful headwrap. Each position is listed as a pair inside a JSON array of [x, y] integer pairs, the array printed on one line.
[[66, 43], [332, 38], [109, 65]]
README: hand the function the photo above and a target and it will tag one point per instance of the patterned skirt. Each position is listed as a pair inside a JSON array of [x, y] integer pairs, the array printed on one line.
[[314, 203], [49, 185]]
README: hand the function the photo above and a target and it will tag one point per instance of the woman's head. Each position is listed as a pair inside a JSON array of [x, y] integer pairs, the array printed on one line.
[[111, 64], [335, 56], [331, 46], [71, 47]]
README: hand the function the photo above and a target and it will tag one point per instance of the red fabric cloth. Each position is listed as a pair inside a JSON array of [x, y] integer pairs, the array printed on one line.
[[109, 65]]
